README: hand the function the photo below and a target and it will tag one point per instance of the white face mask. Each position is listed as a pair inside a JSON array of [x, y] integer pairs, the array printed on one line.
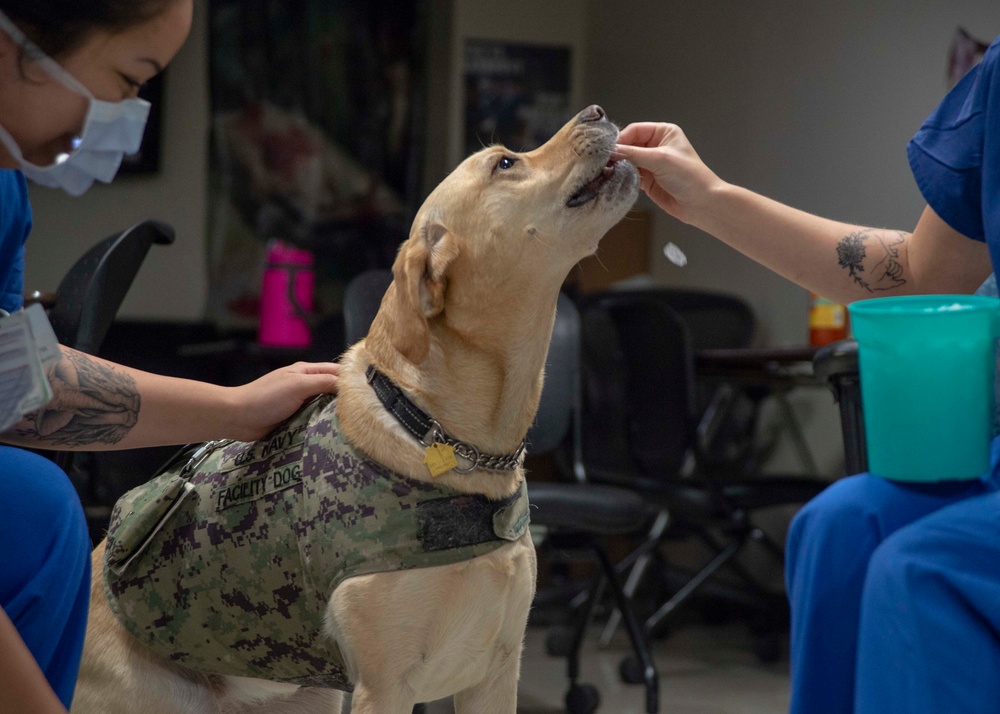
[[111, 130]]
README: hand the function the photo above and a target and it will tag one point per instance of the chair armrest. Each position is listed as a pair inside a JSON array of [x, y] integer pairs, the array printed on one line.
[[837, 363], [836, 360], [44, 298]]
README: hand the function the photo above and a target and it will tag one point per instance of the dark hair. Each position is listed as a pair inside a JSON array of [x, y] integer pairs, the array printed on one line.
[[60, 26]]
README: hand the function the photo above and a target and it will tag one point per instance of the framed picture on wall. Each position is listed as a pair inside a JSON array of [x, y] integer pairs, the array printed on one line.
[[147, 159], [515, 94]]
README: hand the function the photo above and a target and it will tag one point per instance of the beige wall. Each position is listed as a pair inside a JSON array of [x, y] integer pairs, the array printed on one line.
[[172, 282], [809, 103]]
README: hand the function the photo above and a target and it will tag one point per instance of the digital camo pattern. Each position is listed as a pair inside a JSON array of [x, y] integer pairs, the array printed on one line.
[[233, 577]]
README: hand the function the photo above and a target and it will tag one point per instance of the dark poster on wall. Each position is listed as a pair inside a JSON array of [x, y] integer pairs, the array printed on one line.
[[147, 159], [317, 124], [515, 94]]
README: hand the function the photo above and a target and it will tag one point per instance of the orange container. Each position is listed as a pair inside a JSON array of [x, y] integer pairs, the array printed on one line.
[[827, 321]]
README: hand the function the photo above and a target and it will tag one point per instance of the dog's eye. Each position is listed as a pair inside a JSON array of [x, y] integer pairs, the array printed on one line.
[[505, 163]]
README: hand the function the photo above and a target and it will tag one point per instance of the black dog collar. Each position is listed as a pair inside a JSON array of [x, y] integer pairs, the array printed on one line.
[[428, 432]]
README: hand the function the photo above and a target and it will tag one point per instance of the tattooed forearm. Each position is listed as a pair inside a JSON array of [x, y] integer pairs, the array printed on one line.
[[92, 403], [885, 264]]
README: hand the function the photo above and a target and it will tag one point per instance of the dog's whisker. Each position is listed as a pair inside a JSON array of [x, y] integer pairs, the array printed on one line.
[[539, 239]]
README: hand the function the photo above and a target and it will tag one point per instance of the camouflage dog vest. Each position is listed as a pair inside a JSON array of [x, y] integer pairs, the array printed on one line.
[[225, 562]]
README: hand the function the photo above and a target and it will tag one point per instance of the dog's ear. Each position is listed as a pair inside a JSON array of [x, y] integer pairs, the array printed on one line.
[[420, 278]]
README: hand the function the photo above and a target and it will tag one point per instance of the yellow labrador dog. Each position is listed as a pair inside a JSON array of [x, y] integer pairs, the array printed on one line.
[[457, 350]]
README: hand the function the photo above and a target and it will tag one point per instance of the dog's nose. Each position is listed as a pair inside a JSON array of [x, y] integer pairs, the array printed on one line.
[[591, 113]]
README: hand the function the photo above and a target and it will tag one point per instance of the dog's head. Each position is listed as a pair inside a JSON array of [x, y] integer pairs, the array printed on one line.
[[505, 224]]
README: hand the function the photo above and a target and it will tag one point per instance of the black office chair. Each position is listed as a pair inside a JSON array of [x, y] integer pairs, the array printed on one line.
[[583, 513], [586, 511], [88, 298], [84, 307], [728, 412], [640, 431], [362, 298]]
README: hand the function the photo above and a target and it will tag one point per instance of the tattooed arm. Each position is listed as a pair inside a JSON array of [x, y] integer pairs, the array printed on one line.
[[875, 259], [846, 262], [98, 405], [841, 261]]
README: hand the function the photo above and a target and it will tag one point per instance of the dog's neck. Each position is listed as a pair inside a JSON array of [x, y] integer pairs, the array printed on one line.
[[482, 389]]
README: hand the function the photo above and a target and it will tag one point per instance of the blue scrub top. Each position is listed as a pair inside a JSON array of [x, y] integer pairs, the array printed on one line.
[[955, 157], [15, 224]]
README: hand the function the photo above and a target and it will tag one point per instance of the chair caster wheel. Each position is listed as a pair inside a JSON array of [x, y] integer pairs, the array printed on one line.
[[559, 641], [768, 648], [582, 699], [630, 670]]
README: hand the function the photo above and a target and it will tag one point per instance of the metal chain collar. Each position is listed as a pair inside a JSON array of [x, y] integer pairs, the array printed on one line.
[[470, 453]]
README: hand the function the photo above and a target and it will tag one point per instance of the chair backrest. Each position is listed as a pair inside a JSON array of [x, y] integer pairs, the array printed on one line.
[[638, 395], [558, 409], [362, 298], [728, 429], [86, 303], [90, 294], [715, 321]]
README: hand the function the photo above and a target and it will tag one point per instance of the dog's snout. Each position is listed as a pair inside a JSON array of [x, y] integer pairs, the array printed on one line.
[[591, 113]]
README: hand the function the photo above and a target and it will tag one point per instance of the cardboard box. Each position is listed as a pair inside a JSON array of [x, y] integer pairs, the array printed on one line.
[[623, 253]]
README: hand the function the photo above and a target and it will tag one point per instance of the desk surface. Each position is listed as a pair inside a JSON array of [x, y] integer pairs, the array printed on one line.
[[778, 370], [765, 359], [756, 356], [785, 367]]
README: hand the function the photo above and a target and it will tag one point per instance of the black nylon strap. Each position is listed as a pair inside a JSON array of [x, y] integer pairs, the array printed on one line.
[[405, 411], [427, 431]]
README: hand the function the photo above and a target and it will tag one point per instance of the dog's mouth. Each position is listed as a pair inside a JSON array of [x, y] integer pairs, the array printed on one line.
[[590, 190]]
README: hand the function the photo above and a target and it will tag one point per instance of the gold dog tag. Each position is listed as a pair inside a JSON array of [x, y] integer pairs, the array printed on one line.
[[440, 458]]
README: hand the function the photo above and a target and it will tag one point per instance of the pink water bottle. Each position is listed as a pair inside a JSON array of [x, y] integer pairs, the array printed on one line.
[[286, 296]]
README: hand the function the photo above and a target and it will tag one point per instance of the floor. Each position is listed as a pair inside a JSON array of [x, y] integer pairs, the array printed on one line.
[[703, 670]]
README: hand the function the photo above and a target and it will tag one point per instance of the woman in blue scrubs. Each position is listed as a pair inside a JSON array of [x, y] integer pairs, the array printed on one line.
[[70, 71], [894, 587]]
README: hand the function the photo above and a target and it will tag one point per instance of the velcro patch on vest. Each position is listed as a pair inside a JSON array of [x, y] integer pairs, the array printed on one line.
[[459, 521]]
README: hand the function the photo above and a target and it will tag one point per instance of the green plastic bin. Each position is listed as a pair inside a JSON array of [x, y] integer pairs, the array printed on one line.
[[927, 366]]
